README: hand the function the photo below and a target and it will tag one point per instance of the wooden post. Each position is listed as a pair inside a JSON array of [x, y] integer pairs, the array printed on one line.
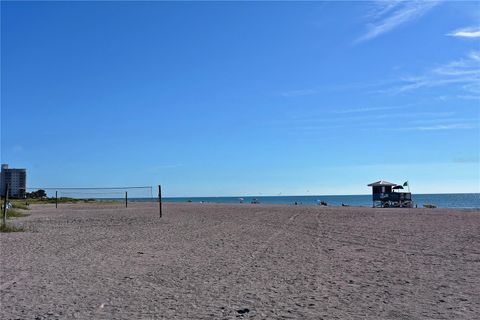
[[160, 200], [56, 199], [126, 199], [5, 199]]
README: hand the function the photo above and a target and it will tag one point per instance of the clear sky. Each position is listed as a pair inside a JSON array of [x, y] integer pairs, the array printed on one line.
[[227, 98]]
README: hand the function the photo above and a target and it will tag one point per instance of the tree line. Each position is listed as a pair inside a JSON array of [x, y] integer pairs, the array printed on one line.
[[39, 194]]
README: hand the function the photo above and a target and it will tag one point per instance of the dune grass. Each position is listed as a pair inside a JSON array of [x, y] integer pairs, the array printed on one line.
[[67, 200], [15, 213], [19, 204], [10, 228], [51, 200]]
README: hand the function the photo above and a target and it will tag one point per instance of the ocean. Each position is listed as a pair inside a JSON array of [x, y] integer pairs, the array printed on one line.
[[453, 200]]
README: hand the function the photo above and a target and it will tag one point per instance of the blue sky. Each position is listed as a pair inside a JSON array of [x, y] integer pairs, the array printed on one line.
[[227, 98]]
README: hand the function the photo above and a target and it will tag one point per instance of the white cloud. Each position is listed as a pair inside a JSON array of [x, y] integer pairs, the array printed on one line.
[[163, 167], [465, 73], [388, 15], [472, 32], [468, 97], [404, 121], [298, 93], [435, 127], [452, 126], [366, 109]]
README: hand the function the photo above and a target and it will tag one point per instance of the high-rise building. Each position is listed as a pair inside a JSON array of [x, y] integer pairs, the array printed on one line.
[[16, 180]]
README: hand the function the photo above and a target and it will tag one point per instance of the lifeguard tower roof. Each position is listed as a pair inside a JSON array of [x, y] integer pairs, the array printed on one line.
[[382, 183]]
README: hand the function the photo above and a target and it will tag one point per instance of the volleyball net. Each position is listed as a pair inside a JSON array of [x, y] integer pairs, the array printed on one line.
[[143, 193]]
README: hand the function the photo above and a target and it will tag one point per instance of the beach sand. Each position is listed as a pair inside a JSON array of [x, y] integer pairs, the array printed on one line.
[[213, 261]]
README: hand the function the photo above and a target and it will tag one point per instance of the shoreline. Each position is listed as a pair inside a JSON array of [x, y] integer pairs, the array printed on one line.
[[449, 201], [165, 202]]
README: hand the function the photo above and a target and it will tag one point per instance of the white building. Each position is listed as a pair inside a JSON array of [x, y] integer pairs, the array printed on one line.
[[16, 180]]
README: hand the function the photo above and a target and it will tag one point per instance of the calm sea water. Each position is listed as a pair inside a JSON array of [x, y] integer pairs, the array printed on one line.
[[454, 200]]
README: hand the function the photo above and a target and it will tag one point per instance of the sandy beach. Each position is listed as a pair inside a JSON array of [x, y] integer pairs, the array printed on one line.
[[213, 261]]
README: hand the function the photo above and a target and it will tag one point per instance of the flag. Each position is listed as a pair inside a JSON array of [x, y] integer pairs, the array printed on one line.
[[405, 184]]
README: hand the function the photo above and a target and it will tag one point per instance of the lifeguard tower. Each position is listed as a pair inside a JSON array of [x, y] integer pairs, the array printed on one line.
[[386, 195]]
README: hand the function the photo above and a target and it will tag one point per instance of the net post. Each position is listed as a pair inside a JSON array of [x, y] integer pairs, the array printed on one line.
[[126, 199], [56, 199], [5, 201], [160, 200]]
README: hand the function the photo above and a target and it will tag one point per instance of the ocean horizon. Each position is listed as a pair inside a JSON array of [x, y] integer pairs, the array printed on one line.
[[440, 200]]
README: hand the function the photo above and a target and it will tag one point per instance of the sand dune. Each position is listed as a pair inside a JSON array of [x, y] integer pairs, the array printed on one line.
[[211, 261]]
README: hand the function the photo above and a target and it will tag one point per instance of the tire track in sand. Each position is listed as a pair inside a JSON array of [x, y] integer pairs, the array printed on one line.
[[247, 263], [319, 238]]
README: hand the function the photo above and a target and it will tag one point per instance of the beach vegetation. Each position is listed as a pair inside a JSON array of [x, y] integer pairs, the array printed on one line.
[[15, 210], [19, 204], [60, 200], [10, 228], [51, 200], [15, 213], [39, 194]]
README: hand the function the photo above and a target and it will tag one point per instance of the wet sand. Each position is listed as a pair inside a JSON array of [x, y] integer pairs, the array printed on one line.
[[212, 261]]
